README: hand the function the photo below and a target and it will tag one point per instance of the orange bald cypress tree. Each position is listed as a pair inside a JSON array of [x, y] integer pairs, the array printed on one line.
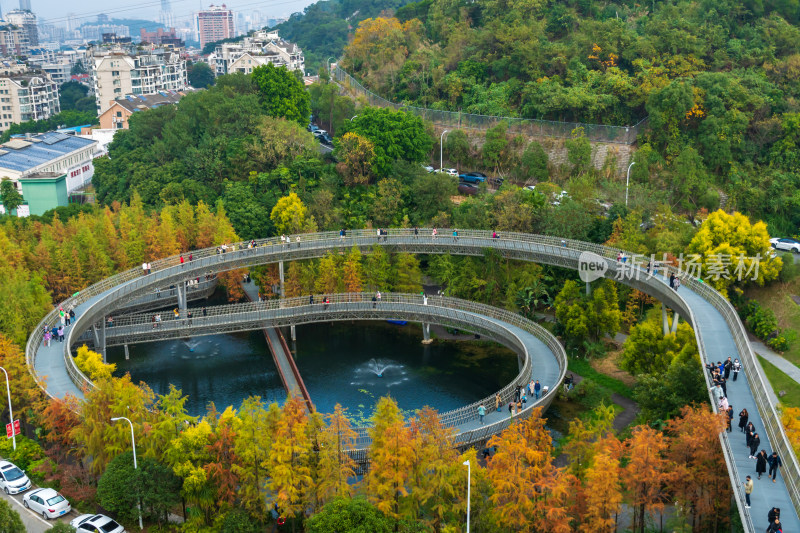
[[603, 488], [700, 481], [646, 473], [390, 458]]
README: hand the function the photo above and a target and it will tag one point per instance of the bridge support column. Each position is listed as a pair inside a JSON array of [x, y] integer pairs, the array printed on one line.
[[664, 318], [588, 288], [100, 339], [182, 305], [675, 318], [293, 332], [280, 273], [127, 354], [426, 333]]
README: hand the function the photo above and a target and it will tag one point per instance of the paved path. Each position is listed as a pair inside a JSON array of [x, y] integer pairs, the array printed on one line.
[[786, 366]]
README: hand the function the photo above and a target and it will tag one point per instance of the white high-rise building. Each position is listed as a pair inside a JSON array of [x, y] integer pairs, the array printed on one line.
[[165, 16], [25, 5]]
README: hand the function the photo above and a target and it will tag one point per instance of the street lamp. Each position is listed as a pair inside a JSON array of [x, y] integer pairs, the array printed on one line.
[[627, 182], [441, 148], [10, 414], [133, 445], [351, 118], [466, 463]]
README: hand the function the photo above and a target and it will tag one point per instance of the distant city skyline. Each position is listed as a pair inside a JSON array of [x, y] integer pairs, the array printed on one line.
[[56, 11]]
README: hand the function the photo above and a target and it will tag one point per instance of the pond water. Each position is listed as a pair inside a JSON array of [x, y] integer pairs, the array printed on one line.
[[351, 363]]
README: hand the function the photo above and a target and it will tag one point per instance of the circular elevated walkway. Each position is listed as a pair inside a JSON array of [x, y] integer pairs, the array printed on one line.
[[718, 329]]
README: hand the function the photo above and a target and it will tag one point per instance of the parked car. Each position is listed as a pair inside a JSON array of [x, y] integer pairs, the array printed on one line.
[[791, 245], [46, 502], [428, 168], [312, 128], [530, 187], [318, 132], [495, 182], [448, 171], [12, 479], [96, 523], [468, 189], [325, 139], [473, 177]]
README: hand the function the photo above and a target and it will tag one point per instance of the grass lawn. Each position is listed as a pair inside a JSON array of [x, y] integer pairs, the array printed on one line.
[[781, 382], [778, 297], [584, 368]]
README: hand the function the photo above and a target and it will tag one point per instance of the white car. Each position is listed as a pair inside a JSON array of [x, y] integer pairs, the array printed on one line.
[[790, 245], [96, 523], [46, 502], [428, 168], [449, 171], [530, 187], [12, 479]]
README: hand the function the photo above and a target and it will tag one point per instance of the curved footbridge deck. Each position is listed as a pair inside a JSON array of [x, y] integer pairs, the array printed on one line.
[[719, 331]]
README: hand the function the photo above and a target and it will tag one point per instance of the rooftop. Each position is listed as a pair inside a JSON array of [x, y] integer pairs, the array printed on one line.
[[151, 101], [21, 155]]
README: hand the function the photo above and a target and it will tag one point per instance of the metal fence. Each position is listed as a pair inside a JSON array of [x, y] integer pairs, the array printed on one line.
[[522, 126], [550, 250]]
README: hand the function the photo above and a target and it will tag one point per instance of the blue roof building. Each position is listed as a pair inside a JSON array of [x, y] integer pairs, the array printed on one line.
[[49, 152]]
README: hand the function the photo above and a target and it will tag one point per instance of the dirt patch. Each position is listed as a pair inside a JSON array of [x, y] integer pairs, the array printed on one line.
[[609, 365]]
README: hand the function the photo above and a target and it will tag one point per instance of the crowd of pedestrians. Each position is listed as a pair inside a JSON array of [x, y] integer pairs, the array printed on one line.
[[57, 331], [720, 374]]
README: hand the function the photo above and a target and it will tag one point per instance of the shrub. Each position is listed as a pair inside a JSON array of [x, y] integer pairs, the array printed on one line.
[[26, 454], [779, 343], [91, 363]]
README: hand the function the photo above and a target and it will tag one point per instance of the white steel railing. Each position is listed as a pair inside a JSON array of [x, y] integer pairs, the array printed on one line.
[[553, 250]]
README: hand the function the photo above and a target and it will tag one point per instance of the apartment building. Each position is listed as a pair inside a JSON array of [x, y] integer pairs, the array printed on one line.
[[24, 96], [118, 73], [13, 40], [259, 49], [215, 24], [25, 20]]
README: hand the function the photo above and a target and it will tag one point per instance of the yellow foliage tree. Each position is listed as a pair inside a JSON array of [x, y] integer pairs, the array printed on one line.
[[91, 363], [336, 467], [733, 251], [791, 421], [290, 475], [291, 216]]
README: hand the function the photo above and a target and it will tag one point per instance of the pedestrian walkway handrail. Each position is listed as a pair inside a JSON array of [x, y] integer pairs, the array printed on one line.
[[440, 309], [547, 249], [516, 125]]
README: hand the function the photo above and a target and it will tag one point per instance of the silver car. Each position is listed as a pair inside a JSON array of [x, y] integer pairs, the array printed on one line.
[[46, 502], [96, 523], [12, 479]]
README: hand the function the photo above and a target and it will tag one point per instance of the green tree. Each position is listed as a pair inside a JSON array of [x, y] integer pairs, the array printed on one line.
[[533, 163], [122, 487], [282, 93], [377, 270], [9, 195], [431, 193], [667, 108], [10, 522], [240, 521], [494, 147], [457, 148], [648, 351], [350, 514], [388, 207], [74, 96], [407, 274], [579, 151], [200, 75], [394, 134]]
